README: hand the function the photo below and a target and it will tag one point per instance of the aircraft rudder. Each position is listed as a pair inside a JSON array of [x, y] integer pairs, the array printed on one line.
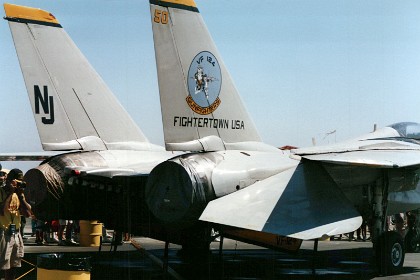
[[198, 96], [64, 90]]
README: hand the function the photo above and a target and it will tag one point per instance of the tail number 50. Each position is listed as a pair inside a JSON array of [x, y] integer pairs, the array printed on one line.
[[161, 17]]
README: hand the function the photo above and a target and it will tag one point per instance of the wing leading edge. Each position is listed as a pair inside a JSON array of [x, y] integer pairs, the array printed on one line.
[[373, 158], [394, 146]]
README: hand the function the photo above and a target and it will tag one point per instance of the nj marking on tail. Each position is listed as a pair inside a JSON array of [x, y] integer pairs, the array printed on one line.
[[47, 104]]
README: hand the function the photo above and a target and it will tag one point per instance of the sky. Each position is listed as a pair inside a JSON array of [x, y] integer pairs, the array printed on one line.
[[304, 69]]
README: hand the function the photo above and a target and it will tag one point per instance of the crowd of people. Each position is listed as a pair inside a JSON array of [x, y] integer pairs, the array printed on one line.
[[62, 232], [398, 222], [14, 210], [361, 234]]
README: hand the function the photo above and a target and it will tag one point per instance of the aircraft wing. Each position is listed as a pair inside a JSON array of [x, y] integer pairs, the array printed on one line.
[[375, 158], [298, 203], [383, 153]]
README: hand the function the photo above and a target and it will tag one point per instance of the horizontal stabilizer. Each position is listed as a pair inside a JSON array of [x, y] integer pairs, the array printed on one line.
[[303, 203]]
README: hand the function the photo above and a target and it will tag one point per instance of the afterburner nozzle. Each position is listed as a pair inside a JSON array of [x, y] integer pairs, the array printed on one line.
[[44, 190]]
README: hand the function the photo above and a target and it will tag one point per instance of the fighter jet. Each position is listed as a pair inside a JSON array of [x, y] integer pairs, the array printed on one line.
[[238, 184], [75, 111]]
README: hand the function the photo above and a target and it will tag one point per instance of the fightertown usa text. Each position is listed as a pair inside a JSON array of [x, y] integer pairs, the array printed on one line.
[[208, 123]]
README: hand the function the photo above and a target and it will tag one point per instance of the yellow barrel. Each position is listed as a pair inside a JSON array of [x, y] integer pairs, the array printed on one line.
[[45, 274], [62, 267], [90, 233]]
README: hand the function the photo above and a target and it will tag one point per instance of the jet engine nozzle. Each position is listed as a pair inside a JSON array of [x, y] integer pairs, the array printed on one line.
[[179, 189], [47, 190], [44, 189]]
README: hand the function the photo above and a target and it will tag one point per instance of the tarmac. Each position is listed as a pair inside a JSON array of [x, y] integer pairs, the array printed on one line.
[[143, 258]]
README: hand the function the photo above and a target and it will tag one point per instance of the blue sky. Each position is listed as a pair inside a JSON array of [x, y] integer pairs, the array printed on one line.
[[303, 68]]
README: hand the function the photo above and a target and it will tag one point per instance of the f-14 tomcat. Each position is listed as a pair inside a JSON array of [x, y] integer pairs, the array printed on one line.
[[75, 111], [235, 182]]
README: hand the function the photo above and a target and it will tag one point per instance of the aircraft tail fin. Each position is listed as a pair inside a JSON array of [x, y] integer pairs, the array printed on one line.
[[201, 108], [73, 107]]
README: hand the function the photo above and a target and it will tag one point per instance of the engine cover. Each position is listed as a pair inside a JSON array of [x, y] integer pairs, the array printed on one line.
[[46, 183], [179, 189]]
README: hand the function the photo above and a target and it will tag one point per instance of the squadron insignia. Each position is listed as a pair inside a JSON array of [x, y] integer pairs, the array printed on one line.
[[204, 83]]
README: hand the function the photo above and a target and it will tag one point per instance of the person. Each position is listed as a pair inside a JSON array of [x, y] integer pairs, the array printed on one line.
[[22, 226], [66, 225], [12, 204], [106, 238], [33, 226], [127, 237], [399, 223], [117, 239], [39, 239], [51, 232], [60, 232], [361, 231], [3, 176], [351, 236], [336, 237], [411, 220]]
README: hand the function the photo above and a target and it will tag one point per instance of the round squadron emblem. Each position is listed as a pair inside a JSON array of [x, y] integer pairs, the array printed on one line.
[[204, 83]]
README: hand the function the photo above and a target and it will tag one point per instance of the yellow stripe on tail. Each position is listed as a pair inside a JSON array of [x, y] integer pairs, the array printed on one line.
[[29, 14], [190, 3], [178, 4]]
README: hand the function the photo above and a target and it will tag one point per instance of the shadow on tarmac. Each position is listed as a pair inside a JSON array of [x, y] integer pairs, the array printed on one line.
[[106, 265], [354, 263]]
